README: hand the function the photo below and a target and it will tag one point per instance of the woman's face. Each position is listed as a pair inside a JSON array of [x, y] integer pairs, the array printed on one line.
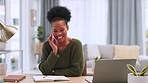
[[59, 30]]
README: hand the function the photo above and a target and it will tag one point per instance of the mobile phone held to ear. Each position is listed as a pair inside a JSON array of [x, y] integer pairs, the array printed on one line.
[[51, 36]]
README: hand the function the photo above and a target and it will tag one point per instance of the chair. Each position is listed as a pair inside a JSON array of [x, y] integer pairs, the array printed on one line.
[[85, 69]]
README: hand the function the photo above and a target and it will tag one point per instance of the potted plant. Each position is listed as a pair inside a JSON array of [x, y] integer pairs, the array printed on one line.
[[95, 59], [41, 39], [94, 62], [137, 77], [40, 34]]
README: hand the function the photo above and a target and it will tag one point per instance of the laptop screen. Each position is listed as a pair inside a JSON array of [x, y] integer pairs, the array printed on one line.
[[112, 71]]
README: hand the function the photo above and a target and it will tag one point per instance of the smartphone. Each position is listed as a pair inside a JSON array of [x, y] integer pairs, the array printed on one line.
[[52, 36]]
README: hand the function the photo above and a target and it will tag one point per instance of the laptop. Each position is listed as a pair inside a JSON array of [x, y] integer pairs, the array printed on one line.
[[111, 71]]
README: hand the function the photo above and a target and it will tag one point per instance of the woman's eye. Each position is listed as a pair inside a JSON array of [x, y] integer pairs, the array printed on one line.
[[54, 31], [62, 30]]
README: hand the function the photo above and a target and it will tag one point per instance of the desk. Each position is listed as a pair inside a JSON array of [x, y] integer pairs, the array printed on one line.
[[29, 79]]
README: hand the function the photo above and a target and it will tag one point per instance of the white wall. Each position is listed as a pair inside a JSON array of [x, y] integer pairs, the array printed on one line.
[[28, 32], [89, 20]]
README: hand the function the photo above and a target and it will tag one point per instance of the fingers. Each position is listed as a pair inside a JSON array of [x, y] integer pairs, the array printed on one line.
[[52, 43], [50, 38], [55, 41]]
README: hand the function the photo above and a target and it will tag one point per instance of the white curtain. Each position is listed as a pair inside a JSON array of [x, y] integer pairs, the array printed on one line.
[[89, 20], [144, 4], [125, 22]]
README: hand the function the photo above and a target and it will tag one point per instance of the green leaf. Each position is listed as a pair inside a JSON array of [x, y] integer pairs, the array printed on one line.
[[143, 71], [132, 69], [40, 34], [96, 58]]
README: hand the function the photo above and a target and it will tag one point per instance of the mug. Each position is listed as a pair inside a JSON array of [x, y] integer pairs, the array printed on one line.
[[3, 68]]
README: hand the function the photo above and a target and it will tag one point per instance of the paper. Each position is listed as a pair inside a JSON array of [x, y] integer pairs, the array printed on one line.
[[49, 78], [89, 79]]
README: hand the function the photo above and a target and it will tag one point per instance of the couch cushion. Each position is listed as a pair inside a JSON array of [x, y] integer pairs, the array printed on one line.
[[92, 52], [84, 47], [126, 52], [106, 51]]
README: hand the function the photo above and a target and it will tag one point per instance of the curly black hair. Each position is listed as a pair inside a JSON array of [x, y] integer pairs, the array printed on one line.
[[58, 13]]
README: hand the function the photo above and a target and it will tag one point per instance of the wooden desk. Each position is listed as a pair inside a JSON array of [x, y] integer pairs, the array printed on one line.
[[29, 79]]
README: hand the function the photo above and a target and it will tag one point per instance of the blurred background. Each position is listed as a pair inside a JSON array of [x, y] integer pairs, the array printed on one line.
[[88, 23]]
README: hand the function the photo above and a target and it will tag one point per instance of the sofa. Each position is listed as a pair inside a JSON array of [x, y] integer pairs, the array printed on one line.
[[92, 51]]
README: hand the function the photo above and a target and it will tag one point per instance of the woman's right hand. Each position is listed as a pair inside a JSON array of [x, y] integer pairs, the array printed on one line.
[[53, 43]]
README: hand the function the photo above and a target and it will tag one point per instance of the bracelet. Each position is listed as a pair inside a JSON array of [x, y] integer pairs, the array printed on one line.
[[53, 72]]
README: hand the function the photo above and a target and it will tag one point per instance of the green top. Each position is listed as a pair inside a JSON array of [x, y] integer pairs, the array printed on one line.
[[68, 62]]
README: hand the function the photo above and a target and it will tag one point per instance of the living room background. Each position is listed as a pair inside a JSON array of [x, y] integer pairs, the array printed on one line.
[[88, 23]]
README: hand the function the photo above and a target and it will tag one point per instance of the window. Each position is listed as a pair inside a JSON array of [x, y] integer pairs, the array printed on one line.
[[15, 21], [1, 2], [2, 18], [146, 25], [2, 10], [11, 17]]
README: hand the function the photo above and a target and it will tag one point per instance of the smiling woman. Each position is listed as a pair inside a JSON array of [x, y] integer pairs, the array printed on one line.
[[61, 55]]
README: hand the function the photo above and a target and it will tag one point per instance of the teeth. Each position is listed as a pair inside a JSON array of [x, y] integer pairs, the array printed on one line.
[[60, 37]]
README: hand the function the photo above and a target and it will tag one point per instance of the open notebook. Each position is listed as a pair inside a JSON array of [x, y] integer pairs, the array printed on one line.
[[50, 78]]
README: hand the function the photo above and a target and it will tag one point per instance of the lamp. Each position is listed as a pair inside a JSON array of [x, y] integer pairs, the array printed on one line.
[[6, 32]]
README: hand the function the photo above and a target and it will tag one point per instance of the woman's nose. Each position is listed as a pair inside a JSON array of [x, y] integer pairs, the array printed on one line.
[[59, 33]]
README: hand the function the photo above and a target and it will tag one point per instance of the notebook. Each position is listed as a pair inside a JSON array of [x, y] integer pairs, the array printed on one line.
[[50, 78], [111, 71], [14, 78]]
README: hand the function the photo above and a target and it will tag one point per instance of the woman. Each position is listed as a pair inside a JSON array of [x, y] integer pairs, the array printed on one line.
[[61, 55]]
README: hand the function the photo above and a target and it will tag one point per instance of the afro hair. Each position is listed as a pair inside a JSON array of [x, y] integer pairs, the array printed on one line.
[[58, 13]]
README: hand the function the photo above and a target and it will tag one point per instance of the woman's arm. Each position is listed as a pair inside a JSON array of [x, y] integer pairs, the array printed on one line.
[[48, 59]]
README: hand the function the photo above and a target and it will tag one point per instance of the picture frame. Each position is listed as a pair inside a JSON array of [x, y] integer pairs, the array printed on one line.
[[33, 17]]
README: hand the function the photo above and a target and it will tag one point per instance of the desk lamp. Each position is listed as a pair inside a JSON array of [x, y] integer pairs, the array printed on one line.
[[6, 32]]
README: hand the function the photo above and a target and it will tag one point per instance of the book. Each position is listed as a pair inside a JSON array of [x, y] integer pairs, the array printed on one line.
[[50, 78], [14, 78]]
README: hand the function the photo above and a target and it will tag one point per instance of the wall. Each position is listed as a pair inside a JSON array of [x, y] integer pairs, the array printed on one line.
[[28, 32]]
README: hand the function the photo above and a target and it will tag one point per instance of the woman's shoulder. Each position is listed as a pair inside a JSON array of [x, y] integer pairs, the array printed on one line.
[[46, 45], [45, 42], [75, 41]]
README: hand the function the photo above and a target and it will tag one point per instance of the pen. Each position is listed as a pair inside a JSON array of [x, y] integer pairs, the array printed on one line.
[[87, 81], [44, 76]]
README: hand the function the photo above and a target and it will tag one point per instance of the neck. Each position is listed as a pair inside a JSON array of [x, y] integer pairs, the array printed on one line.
[[63, 44], [60, 44]]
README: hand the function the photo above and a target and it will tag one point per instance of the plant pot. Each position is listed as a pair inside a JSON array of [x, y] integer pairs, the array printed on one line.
[[3, 68], [137, 79], [38, 48], [92, 65]]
